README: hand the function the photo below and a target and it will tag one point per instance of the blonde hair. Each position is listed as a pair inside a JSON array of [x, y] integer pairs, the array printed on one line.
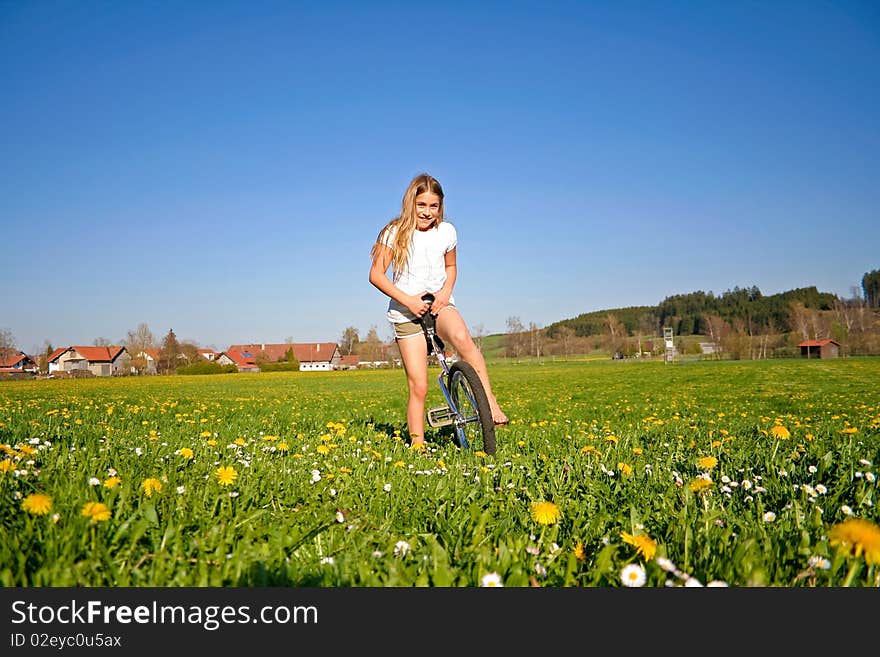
[[407, 221]]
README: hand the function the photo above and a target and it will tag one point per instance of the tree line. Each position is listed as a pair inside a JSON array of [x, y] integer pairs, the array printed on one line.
[[740, 323]]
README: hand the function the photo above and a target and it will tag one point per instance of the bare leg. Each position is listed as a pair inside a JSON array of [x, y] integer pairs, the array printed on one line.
[[414, 354], [452, 329]]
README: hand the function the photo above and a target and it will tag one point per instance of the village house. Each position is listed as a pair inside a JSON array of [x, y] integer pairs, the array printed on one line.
[[17, 363], [99, 361], [244, 360]]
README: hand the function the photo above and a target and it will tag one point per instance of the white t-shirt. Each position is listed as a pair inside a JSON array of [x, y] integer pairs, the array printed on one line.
[[426, 268]]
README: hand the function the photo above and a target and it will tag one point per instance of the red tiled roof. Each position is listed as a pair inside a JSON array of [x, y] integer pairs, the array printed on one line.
[[99, 354], [12, 359], [817, 343], [239, 358], [309, 352], [55, 354], [92, 354]]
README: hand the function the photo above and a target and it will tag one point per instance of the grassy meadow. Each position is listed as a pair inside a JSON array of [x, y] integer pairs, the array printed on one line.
[[751, 473]]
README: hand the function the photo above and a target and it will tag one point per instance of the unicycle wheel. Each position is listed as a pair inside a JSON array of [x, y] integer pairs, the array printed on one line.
[[473, 426]]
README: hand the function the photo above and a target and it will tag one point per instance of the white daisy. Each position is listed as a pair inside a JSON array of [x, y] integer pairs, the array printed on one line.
[[769, 516], [491, 580], [633, 575], [820, 562], [666, 564], [401, 548], [717, 583], [94, 481]]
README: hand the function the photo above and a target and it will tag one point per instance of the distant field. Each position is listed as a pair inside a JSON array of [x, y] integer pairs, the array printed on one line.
[[742, 473]]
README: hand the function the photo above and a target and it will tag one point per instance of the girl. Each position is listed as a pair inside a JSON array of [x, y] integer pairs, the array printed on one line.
[[419, 247]]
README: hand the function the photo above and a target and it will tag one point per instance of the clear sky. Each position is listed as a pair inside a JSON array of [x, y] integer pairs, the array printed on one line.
[[222, 168]]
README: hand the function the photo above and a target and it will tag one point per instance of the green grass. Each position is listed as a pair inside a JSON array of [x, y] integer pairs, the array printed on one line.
[[614, 445]]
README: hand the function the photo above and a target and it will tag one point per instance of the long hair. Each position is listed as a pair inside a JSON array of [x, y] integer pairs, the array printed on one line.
[[407, 221]]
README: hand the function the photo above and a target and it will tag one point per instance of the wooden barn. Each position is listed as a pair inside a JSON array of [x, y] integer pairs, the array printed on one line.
[[819, 349]]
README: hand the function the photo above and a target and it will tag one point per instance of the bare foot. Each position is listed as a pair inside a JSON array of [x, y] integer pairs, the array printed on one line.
[[499, 417]]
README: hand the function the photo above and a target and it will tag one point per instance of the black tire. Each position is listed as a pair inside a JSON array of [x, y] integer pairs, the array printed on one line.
[[473, 426]]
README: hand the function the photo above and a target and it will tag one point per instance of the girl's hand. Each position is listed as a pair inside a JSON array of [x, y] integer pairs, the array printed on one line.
[[441, 300], [416, 306]]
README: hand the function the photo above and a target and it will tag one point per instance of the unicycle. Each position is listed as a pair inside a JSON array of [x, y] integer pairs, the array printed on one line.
[[467, 409]]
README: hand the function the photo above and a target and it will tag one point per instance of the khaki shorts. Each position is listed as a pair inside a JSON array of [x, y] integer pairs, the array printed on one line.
[[409, 329]]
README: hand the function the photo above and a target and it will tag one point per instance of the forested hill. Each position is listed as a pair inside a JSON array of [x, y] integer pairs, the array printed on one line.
[[687, 313]]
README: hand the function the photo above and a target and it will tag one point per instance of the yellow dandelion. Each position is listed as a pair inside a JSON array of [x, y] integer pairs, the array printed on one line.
[[589, 449], [37, 503], [851, 430], [637, 450], [205, 434], [186, 453], [707, 462], [226, 475], [480, 454], [96, 511], [545, 513], [858, 537], [699, 485], [624, 468], [112, 482], [6, 465], [283, 447], [323, 449], [779, 431], [644, 544], [151, 485], [241, 442], [611, 438], [579, 552], [211, 442]]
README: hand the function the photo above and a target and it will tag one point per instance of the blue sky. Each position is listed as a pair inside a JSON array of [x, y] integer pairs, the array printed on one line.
[[223, 168]]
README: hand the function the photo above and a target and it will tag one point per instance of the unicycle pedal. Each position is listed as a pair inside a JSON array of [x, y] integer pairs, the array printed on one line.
[[440, 416]]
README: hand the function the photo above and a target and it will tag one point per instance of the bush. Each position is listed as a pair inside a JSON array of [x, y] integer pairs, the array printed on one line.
[[207, 368], [282, 366]]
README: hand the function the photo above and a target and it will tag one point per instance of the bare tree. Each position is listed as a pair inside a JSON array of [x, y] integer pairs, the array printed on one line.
[[616, 332], [101, 342], [536, 339], [718, 331], [566, 336], [799, 316], [515, 337], [348, 343], [478, 332], [137, 342], [372, 348], [7, 343]]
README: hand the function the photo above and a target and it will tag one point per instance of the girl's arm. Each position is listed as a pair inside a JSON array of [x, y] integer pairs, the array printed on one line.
[[379, 278], [441, 297]]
